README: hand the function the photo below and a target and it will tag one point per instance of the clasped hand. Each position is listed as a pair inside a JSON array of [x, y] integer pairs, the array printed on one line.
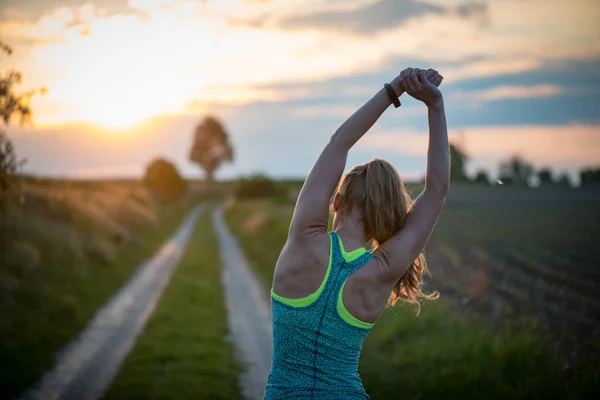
[[422, 85]]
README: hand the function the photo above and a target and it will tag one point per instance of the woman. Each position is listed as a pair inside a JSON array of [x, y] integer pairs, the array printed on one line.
[[328, 290]]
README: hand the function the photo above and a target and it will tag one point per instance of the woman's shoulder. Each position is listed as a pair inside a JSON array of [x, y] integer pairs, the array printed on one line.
[[301, 266], [304, 253], [312, 246]]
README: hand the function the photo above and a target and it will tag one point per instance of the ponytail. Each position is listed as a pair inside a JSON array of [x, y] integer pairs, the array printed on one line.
[[378, 189]]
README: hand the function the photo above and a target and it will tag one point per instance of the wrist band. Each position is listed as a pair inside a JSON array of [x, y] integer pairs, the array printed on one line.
[[392, 94]]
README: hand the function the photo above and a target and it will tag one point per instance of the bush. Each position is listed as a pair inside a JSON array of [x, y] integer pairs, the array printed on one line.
[[545, 176], [482, 177], [256, 186], [590, 176], [9, 164], [163, 179]]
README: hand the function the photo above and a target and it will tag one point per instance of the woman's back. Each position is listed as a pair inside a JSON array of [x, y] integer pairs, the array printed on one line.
[[316, 341], [324, 299]]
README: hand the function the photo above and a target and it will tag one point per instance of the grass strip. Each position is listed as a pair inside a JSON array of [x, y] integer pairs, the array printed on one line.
[[183, 352]]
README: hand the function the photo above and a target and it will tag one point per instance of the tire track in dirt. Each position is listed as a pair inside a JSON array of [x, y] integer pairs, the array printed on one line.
[[248, 312]]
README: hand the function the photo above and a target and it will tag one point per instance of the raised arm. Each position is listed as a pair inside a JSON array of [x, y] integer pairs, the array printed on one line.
[[401, 250], [312, 208]]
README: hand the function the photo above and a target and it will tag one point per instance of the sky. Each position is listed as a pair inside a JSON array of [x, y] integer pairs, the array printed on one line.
[[128, 80]]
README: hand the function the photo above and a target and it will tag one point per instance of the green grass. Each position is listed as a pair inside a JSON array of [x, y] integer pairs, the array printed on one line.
[[444, 353], [262, 233], [541, 259], [182, 353], [49, 299]]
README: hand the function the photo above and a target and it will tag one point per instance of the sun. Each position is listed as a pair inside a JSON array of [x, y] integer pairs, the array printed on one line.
[[124, 72], [126, 93], [123, 110]]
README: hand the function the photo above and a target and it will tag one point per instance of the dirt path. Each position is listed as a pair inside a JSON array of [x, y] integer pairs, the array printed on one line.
[[249, 312], [86, 366]]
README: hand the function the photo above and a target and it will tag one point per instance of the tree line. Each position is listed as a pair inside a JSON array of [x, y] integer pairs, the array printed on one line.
[[516, 170]]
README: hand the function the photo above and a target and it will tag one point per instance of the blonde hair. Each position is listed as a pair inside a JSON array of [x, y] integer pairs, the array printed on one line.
[[377, 190]]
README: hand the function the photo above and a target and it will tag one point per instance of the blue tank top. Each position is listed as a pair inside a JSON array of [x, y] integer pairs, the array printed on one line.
[[316, 341]]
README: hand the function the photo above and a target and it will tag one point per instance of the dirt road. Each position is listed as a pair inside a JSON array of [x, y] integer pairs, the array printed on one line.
[[86, 366], [249, 312]]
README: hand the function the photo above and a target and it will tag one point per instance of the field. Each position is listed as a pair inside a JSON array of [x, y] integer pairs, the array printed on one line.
[[66, 247], [517, 269], [518, 317]]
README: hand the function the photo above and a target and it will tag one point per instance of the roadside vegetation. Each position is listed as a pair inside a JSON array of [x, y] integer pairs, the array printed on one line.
[[66, 248]]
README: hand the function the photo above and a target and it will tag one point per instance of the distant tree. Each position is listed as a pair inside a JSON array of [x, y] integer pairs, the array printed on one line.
[[163, 178], [255, 186], [545, 176], [211, 146], [564, 180], [482, 177], [9, 165], [516, 170], [458, 160], [590, 176]]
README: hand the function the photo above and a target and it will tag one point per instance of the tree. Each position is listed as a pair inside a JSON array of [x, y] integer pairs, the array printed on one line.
[[516, 170], [9, 165], [482, 177], [163, 179], [12, 104], [564, 180], [458, 160], [589, 176], [545, 176], [211, 146]]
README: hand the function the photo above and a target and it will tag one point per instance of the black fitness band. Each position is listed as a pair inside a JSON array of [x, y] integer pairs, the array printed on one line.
[[393, 95]]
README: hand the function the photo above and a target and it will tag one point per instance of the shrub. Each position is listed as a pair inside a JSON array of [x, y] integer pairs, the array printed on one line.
[[163, 179], [256, 186], [482, 177], [590, 176], [9, 164]]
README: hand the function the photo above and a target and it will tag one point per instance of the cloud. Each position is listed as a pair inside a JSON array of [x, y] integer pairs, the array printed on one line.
[[489, 66], [33, 10], [509, 92], [57, 25], [336, 110], [197, 58], [368, 19]]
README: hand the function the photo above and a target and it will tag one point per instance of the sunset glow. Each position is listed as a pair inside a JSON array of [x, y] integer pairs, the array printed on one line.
[[115, 66]]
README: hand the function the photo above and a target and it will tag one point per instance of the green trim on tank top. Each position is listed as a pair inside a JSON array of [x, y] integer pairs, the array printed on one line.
[[354, 254], [345, 314], [341, 309], [311, 298]]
